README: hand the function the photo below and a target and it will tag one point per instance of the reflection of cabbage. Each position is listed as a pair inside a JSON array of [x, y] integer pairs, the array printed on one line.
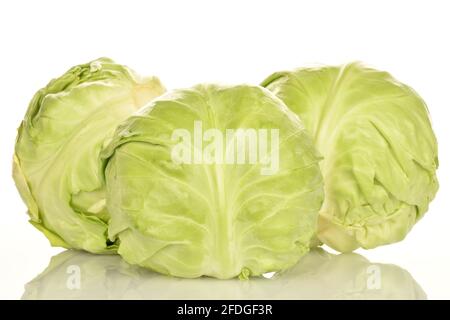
[[219, 220], [56, 163], [380, 153], [320, 275]]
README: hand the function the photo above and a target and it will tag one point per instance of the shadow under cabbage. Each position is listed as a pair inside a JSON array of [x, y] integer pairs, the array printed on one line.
[[319, 275]]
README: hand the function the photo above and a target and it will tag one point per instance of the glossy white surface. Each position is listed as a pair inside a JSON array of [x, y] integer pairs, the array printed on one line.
[[187, 42], [320, 275]]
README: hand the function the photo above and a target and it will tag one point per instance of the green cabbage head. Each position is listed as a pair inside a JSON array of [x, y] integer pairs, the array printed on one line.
[[182, 202], [380, 153], [57, 168]]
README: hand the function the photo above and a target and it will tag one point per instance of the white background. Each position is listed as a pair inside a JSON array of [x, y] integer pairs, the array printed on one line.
[[188, 42]]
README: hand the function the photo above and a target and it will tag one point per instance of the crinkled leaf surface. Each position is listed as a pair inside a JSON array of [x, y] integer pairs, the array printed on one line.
[[380, 153], [57, 168], [220, 220]]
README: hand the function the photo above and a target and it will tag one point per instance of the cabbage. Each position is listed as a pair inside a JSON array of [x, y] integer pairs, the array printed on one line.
[[57, 168], [179, 206], [380, 153]]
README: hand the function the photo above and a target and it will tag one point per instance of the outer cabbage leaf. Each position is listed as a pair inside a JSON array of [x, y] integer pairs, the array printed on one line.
[[219, 220], [56, 165], [380, 153]]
